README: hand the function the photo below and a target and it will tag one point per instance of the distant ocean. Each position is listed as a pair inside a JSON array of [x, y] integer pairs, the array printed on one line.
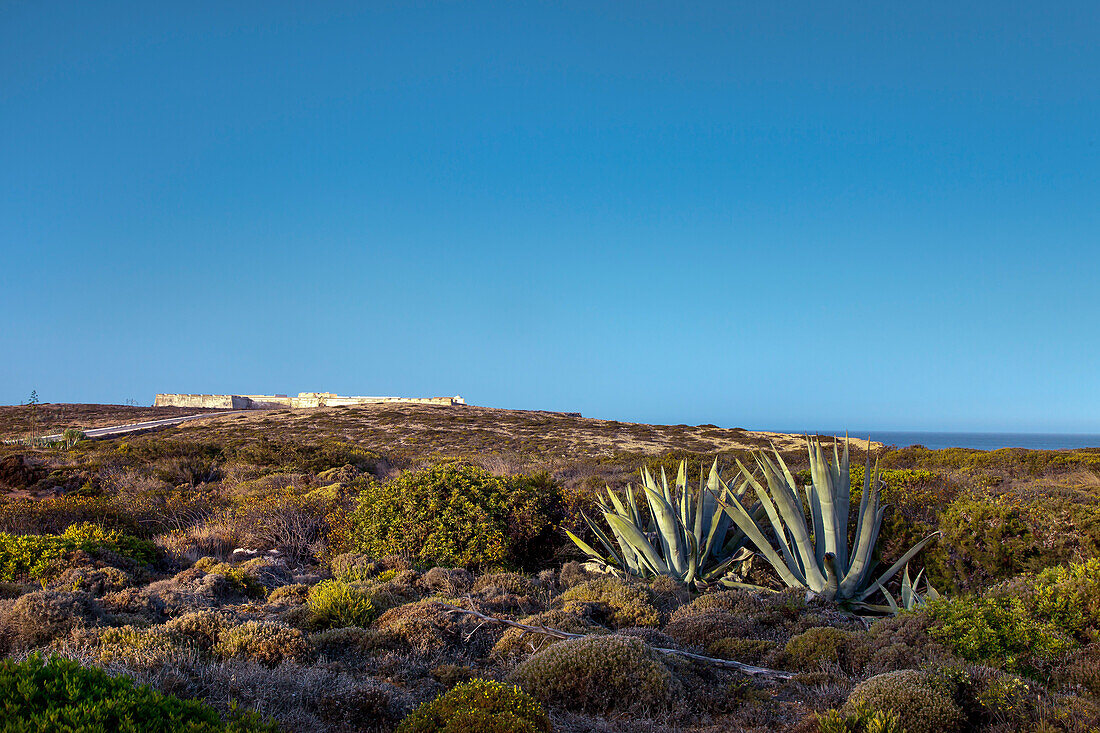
[[983, 441]]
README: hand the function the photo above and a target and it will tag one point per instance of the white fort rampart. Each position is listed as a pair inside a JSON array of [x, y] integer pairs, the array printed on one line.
[[304, 399]]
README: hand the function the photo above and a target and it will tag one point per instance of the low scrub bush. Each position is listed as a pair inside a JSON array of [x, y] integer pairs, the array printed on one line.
[[627, 604], [924, 700], [59, 694], [460, 515], [814, 647], [264, 641], [1069, 597], [334, 604], [479, 705], [997, 631], [40, 617], [599, 674], [859, 718], [983, 542], [36, 555]]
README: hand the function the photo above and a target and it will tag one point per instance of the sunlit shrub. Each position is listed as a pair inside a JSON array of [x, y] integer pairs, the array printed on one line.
[[479, 705], [459, 515], [996, 631], [37, 618], [628, 604], [263, 641], [859, 718], [200, 628], [334, 603], [812, 648], [36, 555]]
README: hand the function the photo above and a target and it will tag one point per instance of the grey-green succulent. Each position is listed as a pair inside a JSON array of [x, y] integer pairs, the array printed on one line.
[[910, 598], [688, 536], [810, 529]]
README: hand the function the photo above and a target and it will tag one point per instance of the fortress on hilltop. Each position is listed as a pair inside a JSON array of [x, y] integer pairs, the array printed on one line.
[[304, 399]]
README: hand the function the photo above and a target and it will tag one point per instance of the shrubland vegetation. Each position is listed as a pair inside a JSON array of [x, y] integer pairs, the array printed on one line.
[[361, 531]]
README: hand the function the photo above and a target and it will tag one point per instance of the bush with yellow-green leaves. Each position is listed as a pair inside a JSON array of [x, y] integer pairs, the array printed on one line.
[[479, 705]]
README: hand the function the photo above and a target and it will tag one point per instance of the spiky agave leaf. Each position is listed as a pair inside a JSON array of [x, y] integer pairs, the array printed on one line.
[[813, 537], [689, 536]]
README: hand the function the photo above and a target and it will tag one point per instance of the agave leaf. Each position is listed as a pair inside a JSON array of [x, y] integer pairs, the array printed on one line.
[[588, 549], [891, 604], [744, 586], [790, 508], [832, 583], [901, 561], [869, 518], [630, 558], [721, 569], [745, 522], [773, 517], [930, 592], [842, 505], [635, 515], [819, 486], [668, 533], [712, 531], [606, 542], [693, 559], [638, 542], [907, 594], [619, 508]]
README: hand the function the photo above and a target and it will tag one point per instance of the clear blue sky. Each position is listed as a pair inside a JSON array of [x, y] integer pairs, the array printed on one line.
[[769, 215]]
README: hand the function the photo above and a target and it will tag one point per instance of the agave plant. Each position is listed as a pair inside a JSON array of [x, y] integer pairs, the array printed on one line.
[[911, 598], [812, 535], [688, 536]]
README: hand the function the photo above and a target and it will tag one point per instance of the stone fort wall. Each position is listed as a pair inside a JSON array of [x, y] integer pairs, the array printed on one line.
[[304, 399]]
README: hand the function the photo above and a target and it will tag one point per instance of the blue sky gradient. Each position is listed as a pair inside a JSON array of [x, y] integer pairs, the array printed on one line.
[[763, 215]]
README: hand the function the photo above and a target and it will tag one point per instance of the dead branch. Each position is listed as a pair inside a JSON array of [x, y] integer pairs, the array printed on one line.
[[749, 669]]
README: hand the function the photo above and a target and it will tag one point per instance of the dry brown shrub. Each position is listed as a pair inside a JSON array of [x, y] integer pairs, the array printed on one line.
[[516, 642], [263, 641], [96, 581], [700, 630], [429, 628], [40, 617], [448, 581]]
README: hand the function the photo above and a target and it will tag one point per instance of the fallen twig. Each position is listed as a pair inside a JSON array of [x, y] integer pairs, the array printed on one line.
[[749, 669]]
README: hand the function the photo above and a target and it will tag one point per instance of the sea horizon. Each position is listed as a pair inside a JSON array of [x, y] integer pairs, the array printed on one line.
[[937, 440]]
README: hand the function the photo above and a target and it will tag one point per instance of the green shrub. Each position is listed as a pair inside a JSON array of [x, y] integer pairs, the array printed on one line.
[[628, 604], [459, 515], [334, 603], [35, 555], [59, 694], [983, 542], [139, 647], [598, 674], [479, 705], [263, 641], [860, 718], [812, 648], [997, 631], [924, 700], [239, 576], [1069, 597], [293, 594], [200, 628]]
